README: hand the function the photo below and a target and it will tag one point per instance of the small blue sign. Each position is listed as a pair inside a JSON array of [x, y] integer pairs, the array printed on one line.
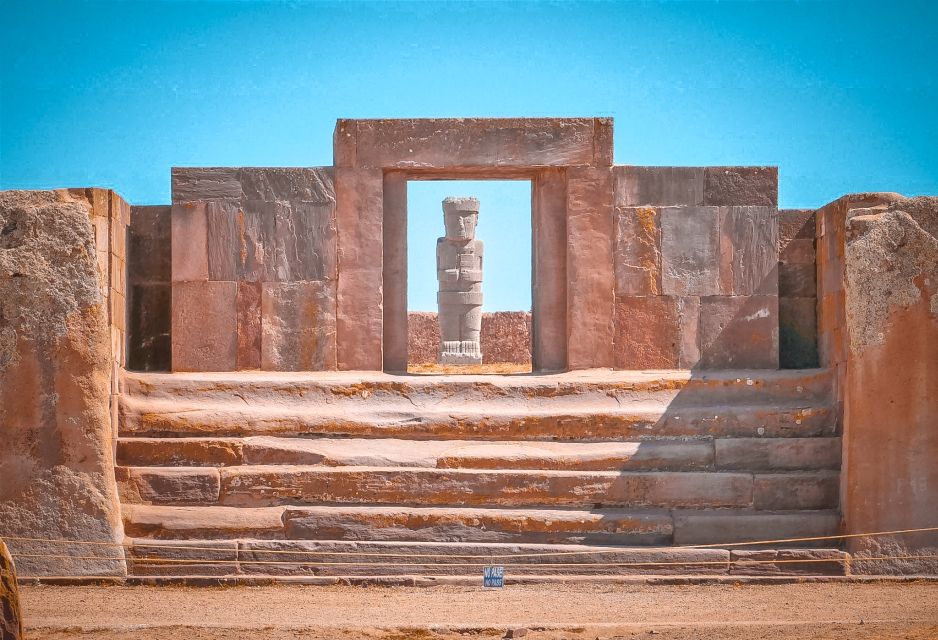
[[493, 577]]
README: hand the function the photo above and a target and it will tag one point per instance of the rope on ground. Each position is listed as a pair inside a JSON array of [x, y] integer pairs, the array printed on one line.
[[540, 554]]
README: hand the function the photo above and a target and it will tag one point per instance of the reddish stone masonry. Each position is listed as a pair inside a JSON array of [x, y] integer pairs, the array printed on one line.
[[506, 337]]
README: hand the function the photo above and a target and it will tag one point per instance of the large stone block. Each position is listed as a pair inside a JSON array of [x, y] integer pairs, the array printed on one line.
[[298, 325], [473, 142], [295, 184], [590, 268], [205, 183], [249, 325], [549, 268], [241, 240], [766, 454], [729, 526], [205, 326], [190, 242], [56, 363], [359, 303], [149, 255], [803, 490], [748, 250], [890, 434], [795, 224], [184, 485], [797, 280], [739, 332], [659, 186], [741, 186], [690, 250], [797, 333], [638, 251], [656, 332], [149, 334]]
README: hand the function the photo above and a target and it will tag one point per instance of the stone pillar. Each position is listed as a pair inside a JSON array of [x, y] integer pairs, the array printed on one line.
[[459, 272], [11, 621], [890, 439], [61, 340]]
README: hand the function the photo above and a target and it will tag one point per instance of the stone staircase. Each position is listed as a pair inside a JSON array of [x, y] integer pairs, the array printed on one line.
[[583, 473]]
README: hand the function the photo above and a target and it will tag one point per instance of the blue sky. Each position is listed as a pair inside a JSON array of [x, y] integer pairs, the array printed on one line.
[[841, 96]]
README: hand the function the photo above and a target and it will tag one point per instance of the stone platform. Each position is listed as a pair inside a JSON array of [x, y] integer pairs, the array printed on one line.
[[301, 474]]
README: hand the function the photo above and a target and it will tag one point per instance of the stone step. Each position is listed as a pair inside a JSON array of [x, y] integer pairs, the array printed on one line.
[[597, 387], [628, 421], [468, 524], [415, 524], [270, 485], [750, 454], [330, 558]]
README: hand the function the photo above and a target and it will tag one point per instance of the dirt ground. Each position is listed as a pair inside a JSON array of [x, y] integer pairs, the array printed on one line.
[[700, 612]]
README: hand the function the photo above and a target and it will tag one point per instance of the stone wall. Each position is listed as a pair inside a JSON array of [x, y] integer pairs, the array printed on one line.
[[253, 269], [830, 238], [891, 397], [797, 289], [696, 257], [506, 337], [61, 347]]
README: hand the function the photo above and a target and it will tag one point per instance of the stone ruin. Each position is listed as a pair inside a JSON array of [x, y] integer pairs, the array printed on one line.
[[224, 373], [459, 273]]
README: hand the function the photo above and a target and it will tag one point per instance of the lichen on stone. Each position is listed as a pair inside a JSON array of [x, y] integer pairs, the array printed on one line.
[[48, 267], [891, 263]]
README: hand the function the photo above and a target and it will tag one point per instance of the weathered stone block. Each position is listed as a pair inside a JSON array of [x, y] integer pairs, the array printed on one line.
[[359, 309], [241, 240], [795, 224], [590, 268], [298, 325], [762, 454], [690, 249], [164, 485], [742, 186], [149, 256], [149, 334], [638, 251], [56, 363], [310, 185], [205, 329], [797, 333], [659, 186], [727, 526], [748, 250], [305, 242], [797, 280], [249, 325], [805, 490], [739, 332], [205, 183], [473, 142], [656, 332], [189, 242], [798, 251]]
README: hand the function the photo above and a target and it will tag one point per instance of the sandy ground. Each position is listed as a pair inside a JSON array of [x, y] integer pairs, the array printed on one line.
[[708, 612]]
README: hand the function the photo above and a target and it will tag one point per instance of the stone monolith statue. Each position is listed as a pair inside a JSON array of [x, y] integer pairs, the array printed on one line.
[[459, 272]]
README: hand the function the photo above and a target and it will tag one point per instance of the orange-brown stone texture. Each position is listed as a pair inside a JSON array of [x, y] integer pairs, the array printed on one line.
[[11, 620], [57, 299], [891, 401], [506, 337]]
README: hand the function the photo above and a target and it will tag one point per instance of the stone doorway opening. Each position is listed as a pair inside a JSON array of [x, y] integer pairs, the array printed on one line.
[[502, 247]]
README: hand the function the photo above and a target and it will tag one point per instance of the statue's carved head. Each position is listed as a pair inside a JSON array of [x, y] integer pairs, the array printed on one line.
[[460, 215]]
